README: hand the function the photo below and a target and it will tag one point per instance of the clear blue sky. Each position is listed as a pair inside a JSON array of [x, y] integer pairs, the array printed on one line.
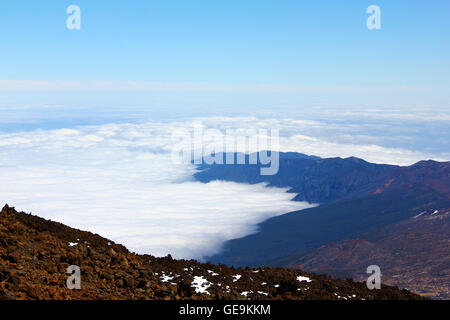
[[313, 43]]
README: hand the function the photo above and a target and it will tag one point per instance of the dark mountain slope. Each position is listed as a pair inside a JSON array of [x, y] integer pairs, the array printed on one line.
[[412, 254], [301, 231], [35, 253]]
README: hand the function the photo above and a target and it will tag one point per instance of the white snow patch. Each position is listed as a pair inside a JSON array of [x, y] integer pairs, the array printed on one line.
[[245, 293], [301, 278], [165, 278], [420, 214], [201, 284], [236, 277]]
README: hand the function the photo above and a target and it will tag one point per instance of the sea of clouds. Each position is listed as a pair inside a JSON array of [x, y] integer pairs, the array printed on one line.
[[118, 180]]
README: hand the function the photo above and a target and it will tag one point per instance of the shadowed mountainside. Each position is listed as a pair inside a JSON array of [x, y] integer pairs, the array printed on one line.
[[305, 230]]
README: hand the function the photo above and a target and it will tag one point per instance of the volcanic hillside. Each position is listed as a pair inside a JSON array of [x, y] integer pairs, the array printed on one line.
[[35, 254]]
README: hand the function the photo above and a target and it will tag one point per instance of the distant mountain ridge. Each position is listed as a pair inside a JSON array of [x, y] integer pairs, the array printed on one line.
[[315, 180], [318, 180], [355, 197]]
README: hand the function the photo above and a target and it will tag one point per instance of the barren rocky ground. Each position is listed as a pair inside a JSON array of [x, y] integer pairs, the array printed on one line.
[[35, 253]]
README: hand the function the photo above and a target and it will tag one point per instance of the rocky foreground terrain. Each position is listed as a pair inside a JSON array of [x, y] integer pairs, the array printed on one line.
[[35, 253]]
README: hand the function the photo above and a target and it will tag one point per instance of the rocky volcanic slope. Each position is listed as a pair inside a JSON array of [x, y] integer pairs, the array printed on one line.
[[35, 253]]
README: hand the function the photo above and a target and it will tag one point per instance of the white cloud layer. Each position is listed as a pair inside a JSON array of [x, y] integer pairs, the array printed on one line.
[[118, 180]]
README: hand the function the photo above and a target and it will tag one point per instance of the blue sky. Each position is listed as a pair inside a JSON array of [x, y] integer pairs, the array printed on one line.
[[307, 43]]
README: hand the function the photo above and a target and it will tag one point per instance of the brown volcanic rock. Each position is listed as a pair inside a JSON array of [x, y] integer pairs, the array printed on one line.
[[412, 254], [35, 253]]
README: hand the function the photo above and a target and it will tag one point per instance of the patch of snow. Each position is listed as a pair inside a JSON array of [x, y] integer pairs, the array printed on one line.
[[301, 278], [71, 244], [420, 214], [236, 277], [263, 293], [212, 273], [339, 297], [201, 284], [245, 293], [165, 278]]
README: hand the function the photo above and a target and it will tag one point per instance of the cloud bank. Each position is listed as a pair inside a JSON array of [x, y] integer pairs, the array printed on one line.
[[119, 181]]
